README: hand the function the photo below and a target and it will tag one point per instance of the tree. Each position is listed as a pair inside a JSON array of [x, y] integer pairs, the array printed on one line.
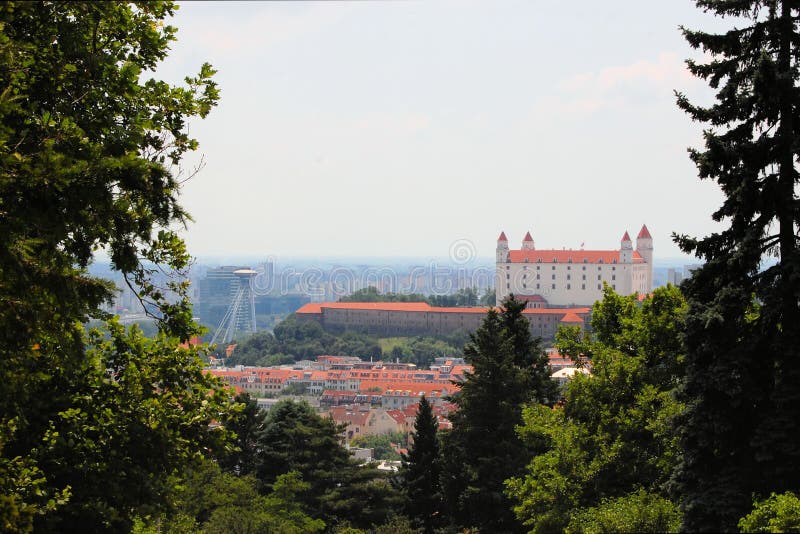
[[421, 471], [610, 446], [778, 513], [483, 450], [296, 438], [246, 423], [89, 149], [741, 431]]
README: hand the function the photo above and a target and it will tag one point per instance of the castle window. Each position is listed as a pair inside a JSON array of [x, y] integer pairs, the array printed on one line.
[[614, 261], [613, 276], [524, 285], [508, 277], [614, 286], [599, 268], [583, 268], [538, 260], [614, 268], [537, 276], [554, 267], [537, 267], [555, 260], [508, 267], [568, 287], [508, 286], [569, 277], [554, 286], [599, 277], [554, 277], [584, 277], [600, 260], [537, 286], [583, 286], [585, 260], [599, 286], [568, 267]]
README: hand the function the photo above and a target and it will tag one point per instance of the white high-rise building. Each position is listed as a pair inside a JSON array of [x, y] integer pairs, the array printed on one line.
[[573, 277]]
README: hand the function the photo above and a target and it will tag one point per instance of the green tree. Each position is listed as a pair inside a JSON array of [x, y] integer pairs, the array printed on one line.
[[421, 471], [483, 450], [89, 149], [382, 445], [741, 430], [246, 423], [296, 438], [778, 513], [613, 436], [637, 512]]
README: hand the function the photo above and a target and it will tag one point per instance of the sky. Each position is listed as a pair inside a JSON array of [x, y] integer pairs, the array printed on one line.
[[424, 128]]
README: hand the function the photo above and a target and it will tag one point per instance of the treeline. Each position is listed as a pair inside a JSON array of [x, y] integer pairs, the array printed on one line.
[[294, 340], [464, 297]]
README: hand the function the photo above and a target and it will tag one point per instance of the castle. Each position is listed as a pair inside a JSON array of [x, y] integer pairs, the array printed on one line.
[[547, 278]]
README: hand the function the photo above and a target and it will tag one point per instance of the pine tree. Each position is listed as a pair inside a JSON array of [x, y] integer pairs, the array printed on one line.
[[421, 471], [483, 450], [740, 433]]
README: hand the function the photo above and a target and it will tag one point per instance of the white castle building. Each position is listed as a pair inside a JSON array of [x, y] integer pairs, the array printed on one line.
[[573, 277]]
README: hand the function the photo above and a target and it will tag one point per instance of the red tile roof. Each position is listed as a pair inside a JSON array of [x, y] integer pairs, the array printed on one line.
[[567, 256], [644, 232], [316, 307], [626, 237], [528, 237], [502, 237], [571, 318]]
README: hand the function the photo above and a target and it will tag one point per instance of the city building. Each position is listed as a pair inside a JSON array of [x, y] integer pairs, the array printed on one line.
[[556, 278], [420, 318]]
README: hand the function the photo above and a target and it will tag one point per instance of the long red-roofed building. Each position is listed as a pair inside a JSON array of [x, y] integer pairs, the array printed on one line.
[[420, 318]]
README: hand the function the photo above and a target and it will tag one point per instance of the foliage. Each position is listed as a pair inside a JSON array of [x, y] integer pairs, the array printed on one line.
[[613, 435], [246, 420], [464, 297], [295, 438], [637, 512], [741, 432], [421, 471], [381, 444], [483, 449], [778, 513], [295, 340], [206, 499], [89, 148], [371, 294]]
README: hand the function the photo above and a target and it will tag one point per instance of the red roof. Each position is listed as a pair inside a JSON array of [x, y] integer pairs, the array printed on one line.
[[571, 318], [316, 307], [644, 233], [502, 237], [626, 237], [567, 256], [528, 237]]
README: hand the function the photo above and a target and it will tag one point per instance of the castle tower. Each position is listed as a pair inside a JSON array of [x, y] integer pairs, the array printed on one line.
[[502, 248], [644, 245], [527, 243], [626, 249]]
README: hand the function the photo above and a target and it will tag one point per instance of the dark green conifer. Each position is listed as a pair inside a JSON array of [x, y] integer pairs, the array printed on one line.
[[483, 450], [421, 471], [741, 432]]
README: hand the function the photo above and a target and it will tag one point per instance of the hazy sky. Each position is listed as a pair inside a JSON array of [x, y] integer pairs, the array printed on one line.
[[397, 128]]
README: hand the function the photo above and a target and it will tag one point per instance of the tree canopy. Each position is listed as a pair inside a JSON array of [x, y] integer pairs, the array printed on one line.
[[90, 148], [741, 431]]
